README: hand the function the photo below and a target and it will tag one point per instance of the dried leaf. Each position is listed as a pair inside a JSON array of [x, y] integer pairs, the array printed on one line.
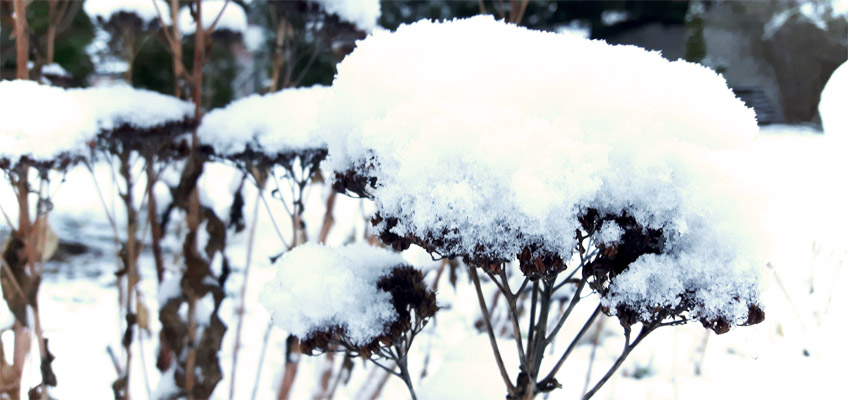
[[142, 315]]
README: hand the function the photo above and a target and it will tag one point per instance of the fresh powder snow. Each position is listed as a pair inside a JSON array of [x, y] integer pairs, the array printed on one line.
[[485, 135], [274, 123], [318, 287], [116, 105], [361, 13], [76, 116], [42, 122]]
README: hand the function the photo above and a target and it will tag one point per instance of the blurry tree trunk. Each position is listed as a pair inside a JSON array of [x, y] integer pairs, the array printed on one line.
[[51, 30], [277, 62], [21, 39]]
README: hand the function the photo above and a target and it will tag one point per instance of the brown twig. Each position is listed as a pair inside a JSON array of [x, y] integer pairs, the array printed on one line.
[[472, 271], [21, 39], [243, 294], [628, 347]]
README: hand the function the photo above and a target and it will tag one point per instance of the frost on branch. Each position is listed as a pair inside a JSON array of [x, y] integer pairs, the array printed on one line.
[[358, 296], [486, 141]]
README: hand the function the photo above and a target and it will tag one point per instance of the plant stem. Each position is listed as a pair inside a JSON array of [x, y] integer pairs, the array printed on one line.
[[472, 271], [628, 347], [250, 241], [573, 344]]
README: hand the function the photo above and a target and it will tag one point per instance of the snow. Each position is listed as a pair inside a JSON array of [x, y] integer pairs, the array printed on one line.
[[834, 102], [318, 287], [54, 69], [765, 360], [278, 122], [361, 13], [233, 19], [505, 166], [254, 38], [113, 106], [76, 115], [610, 233], [41, 121], [144, 9]]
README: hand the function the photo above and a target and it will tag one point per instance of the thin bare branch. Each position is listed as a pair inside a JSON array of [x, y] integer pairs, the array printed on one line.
[[573, 344], [472, 271], [628, 347], [574, 300]]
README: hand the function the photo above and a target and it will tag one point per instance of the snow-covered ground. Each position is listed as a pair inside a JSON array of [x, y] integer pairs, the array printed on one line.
[[796, 353]]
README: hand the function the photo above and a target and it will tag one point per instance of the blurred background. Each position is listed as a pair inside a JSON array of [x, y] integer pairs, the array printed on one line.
[[777, 56]]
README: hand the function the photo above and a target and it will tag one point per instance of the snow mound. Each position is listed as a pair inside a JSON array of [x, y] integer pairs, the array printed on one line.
[[233, 19], [144, 9], [484, 140], [834, 102], [41, 122], [280, 122], [361, 13], [318, 287], [113, 106]]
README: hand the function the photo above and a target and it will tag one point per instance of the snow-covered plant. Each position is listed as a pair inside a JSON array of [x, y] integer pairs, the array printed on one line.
[[272, 136], [263, 131], [134, 125], [584, 163], [362, 298], [194, 337], [34, 149]]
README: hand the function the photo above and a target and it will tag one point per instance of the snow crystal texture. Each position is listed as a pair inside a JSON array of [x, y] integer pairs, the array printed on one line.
[[491, 136], [274, 123], [318, 287]]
